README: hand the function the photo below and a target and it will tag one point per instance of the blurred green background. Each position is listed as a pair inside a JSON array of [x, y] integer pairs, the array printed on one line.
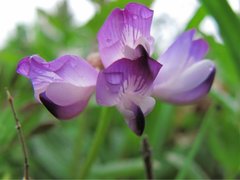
[[197, 141]]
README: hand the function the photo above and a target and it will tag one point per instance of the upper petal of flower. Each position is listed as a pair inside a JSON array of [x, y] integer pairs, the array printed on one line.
[[198, 50], [184, 77], [65, 83], [176, 56], [125, 30]]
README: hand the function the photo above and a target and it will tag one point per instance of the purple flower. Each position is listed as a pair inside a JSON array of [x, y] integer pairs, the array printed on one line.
[[64, 85], [131, 77]]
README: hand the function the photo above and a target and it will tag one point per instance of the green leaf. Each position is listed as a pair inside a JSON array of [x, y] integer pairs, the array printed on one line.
[[226, 68], [224, 143], [228, 24], [122, 169], [199, 15]]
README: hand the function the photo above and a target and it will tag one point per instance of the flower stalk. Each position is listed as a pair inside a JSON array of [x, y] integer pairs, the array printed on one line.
[[99, 136], [147, 154], [20, 135]]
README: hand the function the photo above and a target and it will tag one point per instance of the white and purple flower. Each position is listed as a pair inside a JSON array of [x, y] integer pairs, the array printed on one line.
[[131, 78]]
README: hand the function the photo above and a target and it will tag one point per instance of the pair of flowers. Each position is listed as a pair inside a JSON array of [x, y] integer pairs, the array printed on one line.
[[130, 78]]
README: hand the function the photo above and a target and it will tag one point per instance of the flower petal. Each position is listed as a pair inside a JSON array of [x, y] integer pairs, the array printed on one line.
[[134, 109], [146, 103], [176, 56], [189, 86], [68, 68], [134, 117], [65, 100], [125, 28], [199, 49], [125, 77]]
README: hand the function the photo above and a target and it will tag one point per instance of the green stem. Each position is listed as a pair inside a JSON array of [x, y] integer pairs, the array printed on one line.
[[193, 151], [78, 146], [162, 127], [99, 136], [21, 137]]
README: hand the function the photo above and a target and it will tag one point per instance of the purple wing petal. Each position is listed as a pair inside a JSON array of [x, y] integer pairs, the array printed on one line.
[[189, 86], [64, 100], [176, 56], [199, 49], [68, 68], [125, 77], [125, 29]]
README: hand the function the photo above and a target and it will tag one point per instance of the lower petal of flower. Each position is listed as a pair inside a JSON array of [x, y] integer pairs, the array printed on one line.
[[64, 100], [134, 109], [134, 116]]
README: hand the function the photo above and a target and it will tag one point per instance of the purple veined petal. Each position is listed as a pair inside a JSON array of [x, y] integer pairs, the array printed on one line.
[[126, 77], [65, 100], [68, 68], [125, 29], [189, 86], [176, 56], [134, 109]]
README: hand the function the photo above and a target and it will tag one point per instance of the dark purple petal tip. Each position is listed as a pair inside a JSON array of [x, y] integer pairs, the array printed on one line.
[[61, 112], [137, 124], [203, 89], [197, 93]]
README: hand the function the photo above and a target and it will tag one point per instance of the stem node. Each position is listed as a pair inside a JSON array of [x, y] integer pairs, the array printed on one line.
[[20, 135]]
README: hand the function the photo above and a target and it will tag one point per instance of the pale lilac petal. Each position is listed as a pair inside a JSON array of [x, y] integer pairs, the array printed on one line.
[[125, 77], [146, 103], [176, 56], [75, 70], [184, 77], [68, 68], [65, 100], [199, 49], [190, 85], [125, 29]]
